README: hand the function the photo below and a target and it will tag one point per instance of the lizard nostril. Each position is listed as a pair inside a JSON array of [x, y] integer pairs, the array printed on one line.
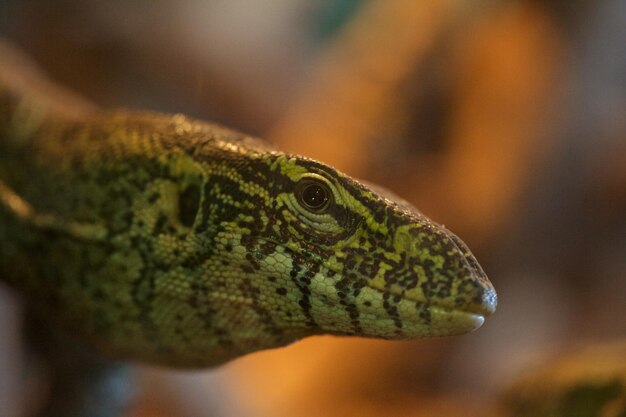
[[486, 300], [489, 301]]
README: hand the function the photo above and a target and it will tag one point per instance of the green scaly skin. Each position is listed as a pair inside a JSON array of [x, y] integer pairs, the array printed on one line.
[[167, 240]]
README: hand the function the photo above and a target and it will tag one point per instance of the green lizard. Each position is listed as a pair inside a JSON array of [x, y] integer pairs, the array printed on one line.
[[167, 240]]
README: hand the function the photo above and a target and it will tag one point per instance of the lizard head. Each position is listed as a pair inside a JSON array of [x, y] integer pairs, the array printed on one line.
[[346, 258], [278, 247]]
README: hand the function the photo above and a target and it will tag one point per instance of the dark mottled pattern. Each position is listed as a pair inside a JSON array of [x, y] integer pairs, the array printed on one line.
[[173, 241]]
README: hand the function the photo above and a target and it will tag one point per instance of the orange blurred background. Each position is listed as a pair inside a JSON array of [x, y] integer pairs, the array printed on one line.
[[503, 120]]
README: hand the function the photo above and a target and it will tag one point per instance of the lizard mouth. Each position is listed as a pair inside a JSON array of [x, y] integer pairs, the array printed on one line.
[[444, 320], [452, 322], [411, 317], [439, 322]]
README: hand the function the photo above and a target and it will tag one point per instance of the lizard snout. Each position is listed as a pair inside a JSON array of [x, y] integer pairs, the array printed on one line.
[[475, 293], [449, 274]]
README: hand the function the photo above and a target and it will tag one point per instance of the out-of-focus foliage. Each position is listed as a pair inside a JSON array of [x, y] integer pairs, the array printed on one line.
[[583, 383]]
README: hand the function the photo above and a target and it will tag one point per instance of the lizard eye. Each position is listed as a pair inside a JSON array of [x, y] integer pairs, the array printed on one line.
[[314, 195]]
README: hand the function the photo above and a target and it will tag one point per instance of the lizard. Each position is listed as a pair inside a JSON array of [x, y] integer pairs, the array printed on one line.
[[167, 240]]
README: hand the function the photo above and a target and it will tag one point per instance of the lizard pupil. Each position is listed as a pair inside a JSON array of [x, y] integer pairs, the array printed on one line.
[[314, 196]]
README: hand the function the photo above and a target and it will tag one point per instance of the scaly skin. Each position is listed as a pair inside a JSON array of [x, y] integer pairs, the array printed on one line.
[[172, 241]]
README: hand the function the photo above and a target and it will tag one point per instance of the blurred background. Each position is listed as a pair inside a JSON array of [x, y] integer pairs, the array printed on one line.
[[504, 120]]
